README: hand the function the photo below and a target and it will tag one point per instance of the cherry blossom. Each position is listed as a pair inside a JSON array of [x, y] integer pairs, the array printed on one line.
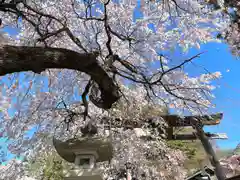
[[132, 55]]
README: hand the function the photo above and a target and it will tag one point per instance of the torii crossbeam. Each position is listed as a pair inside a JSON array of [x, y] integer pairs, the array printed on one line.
[[177, 121]]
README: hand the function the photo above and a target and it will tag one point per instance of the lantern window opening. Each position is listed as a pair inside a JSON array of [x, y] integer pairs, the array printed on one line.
[[85, 161]]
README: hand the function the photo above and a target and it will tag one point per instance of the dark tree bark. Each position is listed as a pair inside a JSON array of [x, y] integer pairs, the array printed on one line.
[[37, 59]]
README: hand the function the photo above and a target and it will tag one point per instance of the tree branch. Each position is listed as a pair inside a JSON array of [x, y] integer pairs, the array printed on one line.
[[37, 59]]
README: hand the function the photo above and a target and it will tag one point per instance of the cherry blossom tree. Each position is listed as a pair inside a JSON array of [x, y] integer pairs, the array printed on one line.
[[96, 50], [231, 165], [231, 32], [136, 142]]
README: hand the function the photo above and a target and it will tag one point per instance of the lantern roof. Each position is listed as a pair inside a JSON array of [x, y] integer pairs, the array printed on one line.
[[69, 149]]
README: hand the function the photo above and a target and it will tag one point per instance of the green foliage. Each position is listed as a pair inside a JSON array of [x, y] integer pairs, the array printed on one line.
[[49, 167], [53, 170], [184, 146], [194, 151], [224, 153]]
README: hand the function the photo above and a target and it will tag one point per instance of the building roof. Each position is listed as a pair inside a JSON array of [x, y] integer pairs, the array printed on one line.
[[199, 173]]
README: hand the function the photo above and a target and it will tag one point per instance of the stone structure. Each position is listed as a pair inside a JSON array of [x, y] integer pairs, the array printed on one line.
[[84, 153]]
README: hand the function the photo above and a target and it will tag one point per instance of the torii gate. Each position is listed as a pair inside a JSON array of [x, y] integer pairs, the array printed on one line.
[[192, 121], [197, 122]]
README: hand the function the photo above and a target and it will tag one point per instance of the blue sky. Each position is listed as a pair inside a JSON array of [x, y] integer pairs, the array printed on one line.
[[217, 58]]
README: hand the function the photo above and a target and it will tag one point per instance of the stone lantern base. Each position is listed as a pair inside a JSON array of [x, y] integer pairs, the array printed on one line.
[[93, 177], [83, 174]]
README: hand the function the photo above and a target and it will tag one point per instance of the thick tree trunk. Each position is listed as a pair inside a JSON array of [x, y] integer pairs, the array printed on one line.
[[37, 59]]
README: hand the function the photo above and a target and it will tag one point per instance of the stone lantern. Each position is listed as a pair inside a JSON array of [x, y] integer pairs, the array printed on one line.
[[84, 152]]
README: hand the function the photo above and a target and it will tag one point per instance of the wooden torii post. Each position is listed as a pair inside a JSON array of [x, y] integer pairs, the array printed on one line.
[[197, 122]]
